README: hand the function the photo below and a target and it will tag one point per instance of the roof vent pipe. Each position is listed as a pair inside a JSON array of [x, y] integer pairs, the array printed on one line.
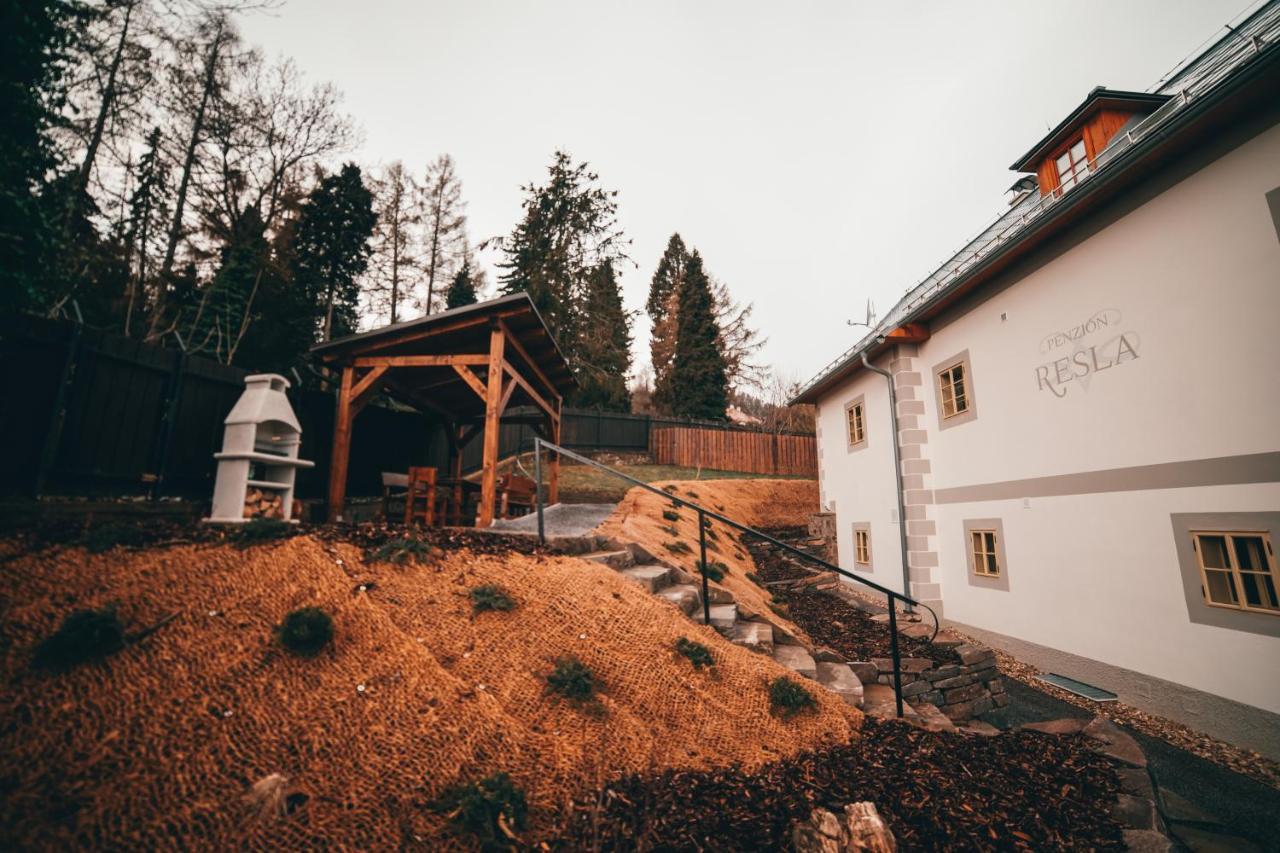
[[897, 469]]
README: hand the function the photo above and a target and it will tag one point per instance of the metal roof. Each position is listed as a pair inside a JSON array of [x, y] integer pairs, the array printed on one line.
[[1189, 92]]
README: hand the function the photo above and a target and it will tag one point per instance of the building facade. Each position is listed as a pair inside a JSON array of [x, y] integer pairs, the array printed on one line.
[[1088, 408]]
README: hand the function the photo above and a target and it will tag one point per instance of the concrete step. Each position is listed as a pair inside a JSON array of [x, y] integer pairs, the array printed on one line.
[[614, 559], [685, 596], [839, 679], [796, 659], [652, 578], [757, 636], [723, 617]]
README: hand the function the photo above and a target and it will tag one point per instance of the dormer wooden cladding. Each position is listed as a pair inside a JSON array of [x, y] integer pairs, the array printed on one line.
[[1096, 132]]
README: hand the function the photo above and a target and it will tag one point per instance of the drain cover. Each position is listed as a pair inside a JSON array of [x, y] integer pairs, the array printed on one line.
[[1079, 688]]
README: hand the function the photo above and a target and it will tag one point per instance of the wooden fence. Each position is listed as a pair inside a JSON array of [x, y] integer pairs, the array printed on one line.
[[725, 450]]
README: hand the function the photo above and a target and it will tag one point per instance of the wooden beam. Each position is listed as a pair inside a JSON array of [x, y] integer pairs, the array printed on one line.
[[367, 381], [409, 396], [537, 398], [489, 460], [465, 438], [506, 396], [472, 380], [338, 354], [341, 447], [910, 333], [420, 360], [533, 365]]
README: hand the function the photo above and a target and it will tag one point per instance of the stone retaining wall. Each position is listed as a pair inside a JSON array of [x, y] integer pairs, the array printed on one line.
[[962, 691]]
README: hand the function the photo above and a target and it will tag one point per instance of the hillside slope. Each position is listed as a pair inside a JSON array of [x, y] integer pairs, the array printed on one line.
[[156, 746]]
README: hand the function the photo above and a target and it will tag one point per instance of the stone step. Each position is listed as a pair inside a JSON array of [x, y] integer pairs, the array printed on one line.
[[795, 658], [723, 617], [878, 701], [652, 578], [840, 680], [757, 636], [614, 559], [685, 596], [719, 595]]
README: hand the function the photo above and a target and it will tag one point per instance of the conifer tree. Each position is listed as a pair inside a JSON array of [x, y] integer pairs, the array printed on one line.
[[664, 289], [332, 248], [699, 387], [605, 345], [462, 290]]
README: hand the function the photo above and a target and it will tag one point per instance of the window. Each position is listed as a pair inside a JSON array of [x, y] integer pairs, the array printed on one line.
[[1237, 570], [983, 545], [856, 433], [1073, 166], [955, 396], [862, 547]]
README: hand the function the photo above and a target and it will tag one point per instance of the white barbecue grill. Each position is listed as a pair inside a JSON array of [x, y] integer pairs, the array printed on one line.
[[259, 457]]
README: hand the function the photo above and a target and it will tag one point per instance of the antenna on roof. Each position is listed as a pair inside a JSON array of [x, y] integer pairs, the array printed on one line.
[[870, 322]]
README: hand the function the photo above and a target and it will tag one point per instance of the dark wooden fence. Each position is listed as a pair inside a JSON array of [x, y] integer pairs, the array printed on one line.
[[752, 452], [93, 414]]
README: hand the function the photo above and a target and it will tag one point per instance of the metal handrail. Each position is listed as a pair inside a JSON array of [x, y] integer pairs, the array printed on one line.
[[703, 514]]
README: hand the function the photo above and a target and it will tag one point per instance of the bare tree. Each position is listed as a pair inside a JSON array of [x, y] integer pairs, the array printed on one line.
[[739, 342], [395, 260], [445, 238]]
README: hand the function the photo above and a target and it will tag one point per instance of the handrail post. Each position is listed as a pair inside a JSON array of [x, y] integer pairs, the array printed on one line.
[[897, 660], [537, 489], [702, 564]]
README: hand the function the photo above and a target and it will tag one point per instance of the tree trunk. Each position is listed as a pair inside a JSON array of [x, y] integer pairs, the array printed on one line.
[[104, 109]]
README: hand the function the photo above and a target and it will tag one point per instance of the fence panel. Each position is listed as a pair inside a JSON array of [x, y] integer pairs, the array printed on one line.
[[727, 450]]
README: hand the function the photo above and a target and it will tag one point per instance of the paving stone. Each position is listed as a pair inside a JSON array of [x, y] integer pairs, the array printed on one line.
[[1136, 782], [1179, 808], [839, 679], [1134, 812], [1111, 741], [947, 640], [613, 559], [866, 671], [757, 636], [933, 719], [970, 654], [798, 660], [652, 578], [978, 727], [1064, 726], [1199, 840], [1146, 841], [683, 595], [917, 630]]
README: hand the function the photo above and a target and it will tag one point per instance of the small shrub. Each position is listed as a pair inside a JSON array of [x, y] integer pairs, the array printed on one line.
[[698, 654], [716, 571], [306, 632], [778, 597], [669, 489], [573, 680], [261, 530], [678, 547], [670, 515], [672, 529], [83, 636], [754, 578], [401, 551], [104, 537], [781, 610], [491, 597], [788, 698], [691, 493], [489, 810]]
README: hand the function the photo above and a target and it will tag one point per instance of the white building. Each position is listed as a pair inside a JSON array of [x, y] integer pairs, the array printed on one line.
[[1089, 405]]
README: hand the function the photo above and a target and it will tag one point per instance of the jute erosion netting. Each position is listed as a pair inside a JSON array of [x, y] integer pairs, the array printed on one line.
[[157, 745], [756, 503]]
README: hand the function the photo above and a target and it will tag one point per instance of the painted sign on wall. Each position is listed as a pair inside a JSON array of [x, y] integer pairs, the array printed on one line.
[[1084, 349]]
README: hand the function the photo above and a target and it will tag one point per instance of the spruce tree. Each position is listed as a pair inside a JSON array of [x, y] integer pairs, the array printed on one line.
[[699, 387], [664, 289], [606, 345], [332, 248], [462, 290]]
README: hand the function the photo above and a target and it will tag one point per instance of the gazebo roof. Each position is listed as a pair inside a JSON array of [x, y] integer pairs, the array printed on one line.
[[461, 331]]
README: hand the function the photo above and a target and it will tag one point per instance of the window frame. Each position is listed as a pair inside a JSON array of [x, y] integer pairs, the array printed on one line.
[[858, 404], [949, 379], [862, 546], [859, 565], [946, 366], [984, 554], [1077, 170], [1187, 565], [1233, 570], [983, 580]]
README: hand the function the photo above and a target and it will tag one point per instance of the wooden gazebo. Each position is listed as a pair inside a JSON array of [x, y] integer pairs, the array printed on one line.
[[467, 366]]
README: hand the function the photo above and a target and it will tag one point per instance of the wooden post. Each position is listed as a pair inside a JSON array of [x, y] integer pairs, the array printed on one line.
[[553, 474], [493, 401], [341, 447]]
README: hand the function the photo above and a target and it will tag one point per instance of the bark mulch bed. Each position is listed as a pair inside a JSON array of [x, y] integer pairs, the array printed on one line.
[[830, 620], [1022, 791]]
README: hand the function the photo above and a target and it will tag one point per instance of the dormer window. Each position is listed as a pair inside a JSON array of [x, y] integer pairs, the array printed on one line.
[[1073, 166]]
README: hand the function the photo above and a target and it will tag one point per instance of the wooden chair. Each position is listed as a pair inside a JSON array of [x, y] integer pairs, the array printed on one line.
[[420, 499], [394, 487], [515, 495]]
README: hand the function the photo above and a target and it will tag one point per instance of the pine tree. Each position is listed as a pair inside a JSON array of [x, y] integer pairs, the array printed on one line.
[[664, 290], [332, 248], [605, 345], [699, 388], [462, 290], [569, 228]]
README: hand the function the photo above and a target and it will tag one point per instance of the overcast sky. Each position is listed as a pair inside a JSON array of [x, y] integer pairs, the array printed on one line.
[[817, 153]]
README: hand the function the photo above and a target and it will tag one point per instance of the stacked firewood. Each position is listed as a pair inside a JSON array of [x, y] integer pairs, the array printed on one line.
[[259, 503]]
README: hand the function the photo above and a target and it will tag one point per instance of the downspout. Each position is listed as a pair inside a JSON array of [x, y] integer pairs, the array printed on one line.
[[897, 469]]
